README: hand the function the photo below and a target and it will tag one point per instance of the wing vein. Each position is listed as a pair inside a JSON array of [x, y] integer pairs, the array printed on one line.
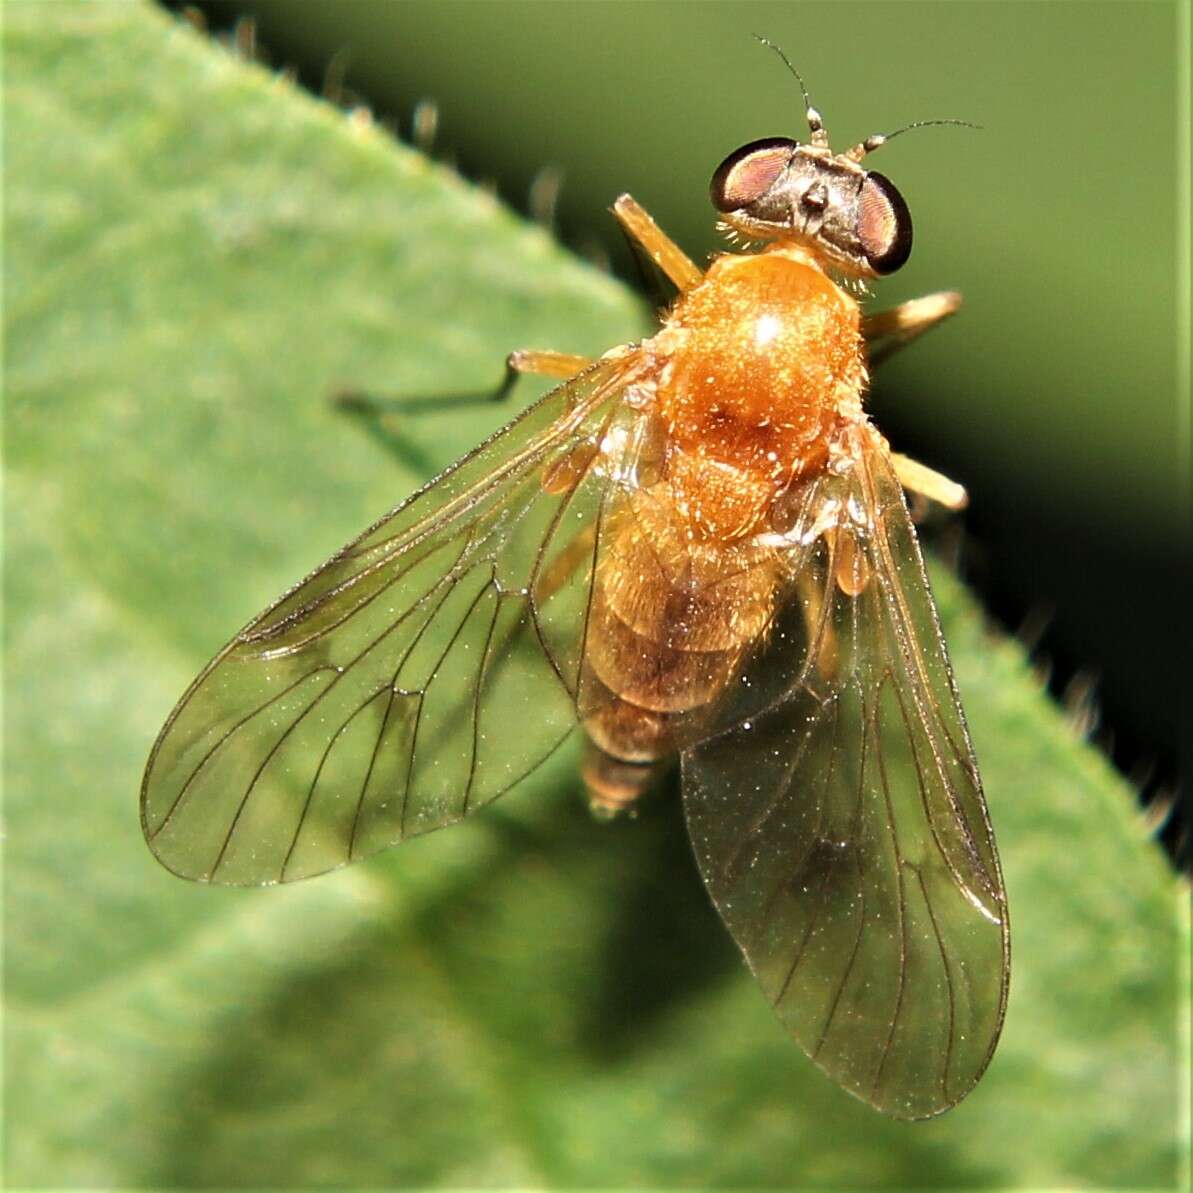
[[950, 1036], [482, 670], [901, 904], [728, 875], [314, 783], [232, 729], [298, 720], [436, 668], [844, 982]]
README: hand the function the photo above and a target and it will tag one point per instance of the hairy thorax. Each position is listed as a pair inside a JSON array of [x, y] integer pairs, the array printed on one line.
[[759, 364]]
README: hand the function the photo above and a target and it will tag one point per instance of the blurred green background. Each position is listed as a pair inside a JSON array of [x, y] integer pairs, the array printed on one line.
[[197, 254]]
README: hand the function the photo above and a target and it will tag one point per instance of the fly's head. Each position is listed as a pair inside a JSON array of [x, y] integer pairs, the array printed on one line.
[[853, 219]]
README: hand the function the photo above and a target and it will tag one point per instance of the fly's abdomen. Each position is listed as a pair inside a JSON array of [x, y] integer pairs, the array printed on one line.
[[669, 620]]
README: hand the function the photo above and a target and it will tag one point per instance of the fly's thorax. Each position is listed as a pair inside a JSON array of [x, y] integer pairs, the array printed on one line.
[[758, 362]]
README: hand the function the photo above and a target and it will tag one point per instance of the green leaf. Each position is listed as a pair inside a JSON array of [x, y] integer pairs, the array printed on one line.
[[198, 255]]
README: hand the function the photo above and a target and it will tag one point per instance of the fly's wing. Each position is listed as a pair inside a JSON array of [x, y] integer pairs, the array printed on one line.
[[839, 822], [415, 676]]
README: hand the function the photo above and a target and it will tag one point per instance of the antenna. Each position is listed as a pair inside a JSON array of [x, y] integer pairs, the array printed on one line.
[[875, 140], [815, 123]]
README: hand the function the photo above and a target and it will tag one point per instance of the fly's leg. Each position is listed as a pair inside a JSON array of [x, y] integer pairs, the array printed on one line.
[[885, 333], [850, 569], [888, 331], [813, 590], [657, 245], [382, 417], [560, 365], [575, 553], [926, 482], [542, 364]]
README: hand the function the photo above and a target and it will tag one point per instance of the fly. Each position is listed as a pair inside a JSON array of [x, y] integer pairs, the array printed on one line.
[[694, 546]]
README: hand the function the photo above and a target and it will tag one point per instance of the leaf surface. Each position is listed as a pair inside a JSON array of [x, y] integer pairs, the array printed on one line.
[[197, 255]]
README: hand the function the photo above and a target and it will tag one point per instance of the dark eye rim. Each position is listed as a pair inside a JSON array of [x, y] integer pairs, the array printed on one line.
[[716, 188], [896, 255]]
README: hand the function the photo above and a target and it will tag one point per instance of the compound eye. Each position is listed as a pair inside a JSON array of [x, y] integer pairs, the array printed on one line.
[[749, 172], [883, 224]]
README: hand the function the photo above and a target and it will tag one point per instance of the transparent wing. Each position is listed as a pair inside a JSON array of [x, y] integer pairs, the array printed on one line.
[[840, 824], [419, 673]]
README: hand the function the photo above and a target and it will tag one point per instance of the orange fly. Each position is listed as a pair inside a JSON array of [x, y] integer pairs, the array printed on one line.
[[697, 545]]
